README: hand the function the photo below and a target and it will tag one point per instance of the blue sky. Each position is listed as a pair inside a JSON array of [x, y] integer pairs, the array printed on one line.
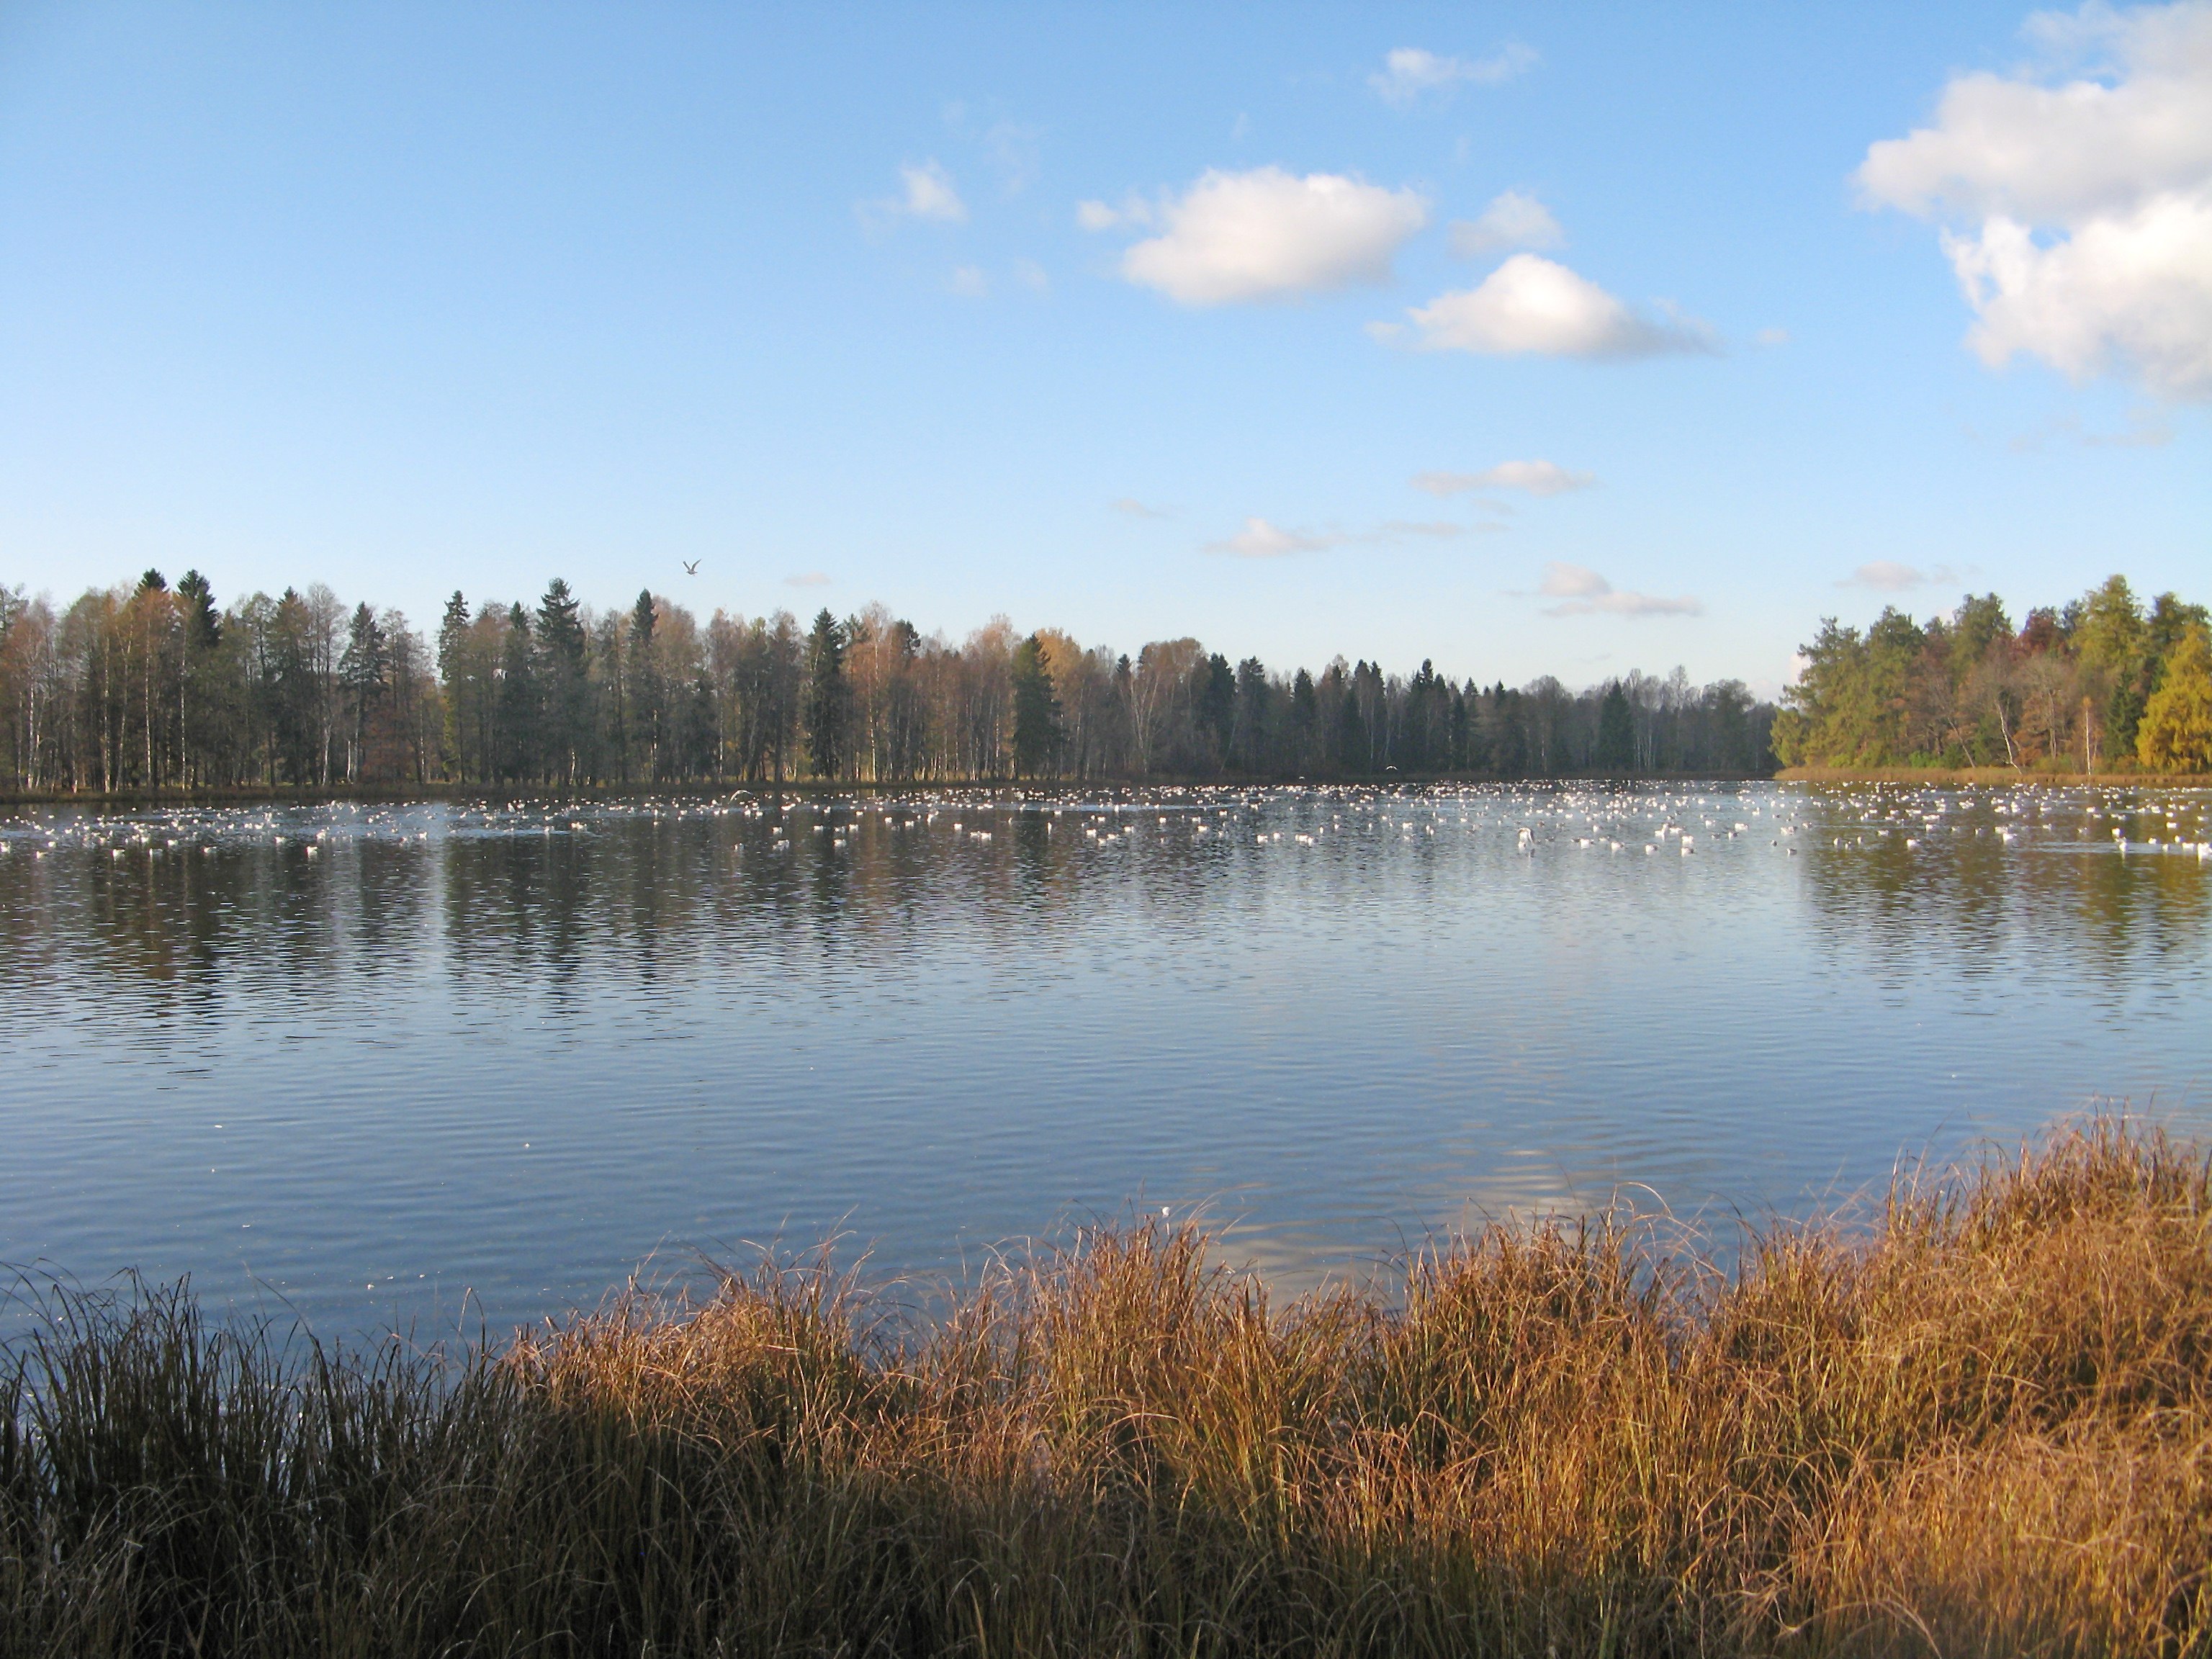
[[408, 298]]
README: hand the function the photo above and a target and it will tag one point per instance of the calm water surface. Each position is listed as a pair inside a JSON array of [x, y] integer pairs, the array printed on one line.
[[436, 1062]]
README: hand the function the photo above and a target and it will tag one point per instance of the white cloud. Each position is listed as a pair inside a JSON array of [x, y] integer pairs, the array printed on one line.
[[1533, 478], [1771, 337], [1583, 592], [1031, 276], [2078, 215], [2133, 287], [1259, 539], [1512, 219], [1262, 539], [927, 193], [1409, 73], [930, 194], [1130, 507], [1266, 234], [807, 579], [1535, 305], [969, 283], [1888, 576]]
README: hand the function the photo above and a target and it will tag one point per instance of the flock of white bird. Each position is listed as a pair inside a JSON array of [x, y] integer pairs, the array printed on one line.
[[2132, 820]]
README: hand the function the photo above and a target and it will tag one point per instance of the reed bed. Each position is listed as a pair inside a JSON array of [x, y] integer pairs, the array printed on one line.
[[1977, 1422]]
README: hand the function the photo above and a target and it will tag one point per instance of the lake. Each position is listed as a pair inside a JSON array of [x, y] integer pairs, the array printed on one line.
[[443, 1064]]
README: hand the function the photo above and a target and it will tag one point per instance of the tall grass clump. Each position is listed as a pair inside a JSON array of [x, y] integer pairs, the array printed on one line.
[[1981, 1423]]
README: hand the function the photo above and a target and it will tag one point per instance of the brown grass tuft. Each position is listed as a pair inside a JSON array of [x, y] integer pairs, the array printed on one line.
[[1981, 1424]]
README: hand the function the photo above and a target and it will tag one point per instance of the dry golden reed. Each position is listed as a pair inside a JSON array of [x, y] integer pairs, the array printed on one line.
[[1981, 1423]]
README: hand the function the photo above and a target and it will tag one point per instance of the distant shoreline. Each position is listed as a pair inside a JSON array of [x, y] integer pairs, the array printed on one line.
[[399, 794], [1978, 776], [402, 794]]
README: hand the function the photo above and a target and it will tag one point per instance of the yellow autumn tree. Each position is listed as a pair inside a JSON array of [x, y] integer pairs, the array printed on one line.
[[2176, 733]]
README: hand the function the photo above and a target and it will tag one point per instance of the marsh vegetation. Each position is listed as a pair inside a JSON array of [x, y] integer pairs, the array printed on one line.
[[1978, 1422]]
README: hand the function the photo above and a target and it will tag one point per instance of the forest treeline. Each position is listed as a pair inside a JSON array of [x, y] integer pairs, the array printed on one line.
[[156, 686], [2101, 684]]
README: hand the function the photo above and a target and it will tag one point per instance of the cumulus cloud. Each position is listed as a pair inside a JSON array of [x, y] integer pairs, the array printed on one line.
[[1410, 74], [1583, 592], [2077, 212], [926, 193], [1888, 576], [1512, 219], [1536, 306], [1263, 540], [1533, 477], [1264, 235]]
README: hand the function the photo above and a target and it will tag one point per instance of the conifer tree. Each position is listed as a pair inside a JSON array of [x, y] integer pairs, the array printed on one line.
[[1616, 732], [2176, 733], [564, 690], [1036, 712], [518, 699], [647, 697], [828, 698], [361, 679]]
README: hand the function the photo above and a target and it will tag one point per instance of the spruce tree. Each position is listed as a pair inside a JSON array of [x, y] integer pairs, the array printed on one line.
[[1616, 732], [452, 675], [565, 687], [1036, 712], [647, 697], [361, 678], [517, 700], [1305, 714], [829, 697], [202, 621]]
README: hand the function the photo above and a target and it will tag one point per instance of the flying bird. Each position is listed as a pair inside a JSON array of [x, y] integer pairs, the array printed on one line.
[[691, 566]]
